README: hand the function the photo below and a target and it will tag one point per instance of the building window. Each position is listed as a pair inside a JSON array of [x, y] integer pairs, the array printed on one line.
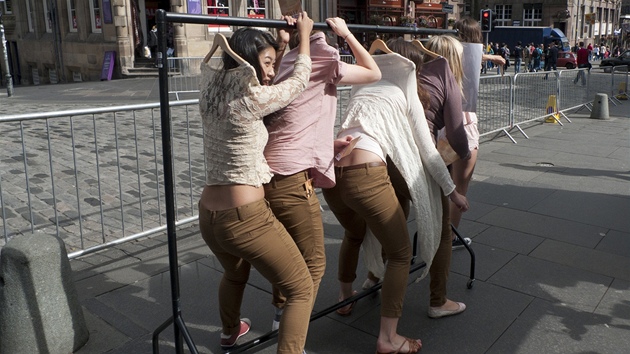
[[503, 14], [95, 16], [47, 18], [532, 14], [218, 8], [8, 7], [29, 16], [72, 16], [256, 8]]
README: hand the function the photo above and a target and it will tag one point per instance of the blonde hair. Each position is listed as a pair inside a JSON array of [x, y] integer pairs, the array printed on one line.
[[452, 50]]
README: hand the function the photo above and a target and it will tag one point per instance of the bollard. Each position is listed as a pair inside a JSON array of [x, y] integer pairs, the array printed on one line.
[[600, 107], [39, 306]]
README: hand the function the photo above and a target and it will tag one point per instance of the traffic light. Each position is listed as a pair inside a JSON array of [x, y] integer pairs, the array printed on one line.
[[486, 20]]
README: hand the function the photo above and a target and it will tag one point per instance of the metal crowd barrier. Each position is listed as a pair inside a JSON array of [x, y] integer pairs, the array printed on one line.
[[573, 88], [348, 59], [94, 177], [184, 74], [619, 86], [494, 105]]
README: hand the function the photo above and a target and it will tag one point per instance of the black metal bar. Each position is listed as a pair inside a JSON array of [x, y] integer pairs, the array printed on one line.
[[163, 18], [179, 326], [472, 255], [155, 341], [367, 292], [255, 22]]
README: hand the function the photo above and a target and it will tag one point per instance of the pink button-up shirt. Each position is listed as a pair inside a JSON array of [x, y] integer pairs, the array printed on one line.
[[301, 135]]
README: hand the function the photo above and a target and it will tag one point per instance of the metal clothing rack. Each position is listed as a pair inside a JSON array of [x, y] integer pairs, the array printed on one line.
[[163, 18]]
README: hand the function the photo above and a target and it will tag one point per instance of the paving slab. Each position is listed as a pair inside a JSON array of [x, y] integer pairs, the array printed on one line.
[[545, 226], [510, 240], [553, 282], [588, 259], [615, 242], [550, 327]]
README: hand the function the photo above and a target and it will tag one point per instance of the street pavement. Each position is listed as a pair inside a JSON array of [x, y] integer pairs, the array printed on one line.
[[550, 229]]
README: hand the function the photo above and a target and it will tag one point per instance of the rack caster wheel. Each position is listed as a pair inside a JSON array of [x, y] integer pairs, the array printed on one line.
[[469, 285]]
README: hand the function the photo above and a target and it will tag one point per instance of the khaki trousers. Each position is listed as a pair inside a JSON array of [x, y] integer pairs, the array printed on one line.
[[364, 197], [294, 203], [251, 235]]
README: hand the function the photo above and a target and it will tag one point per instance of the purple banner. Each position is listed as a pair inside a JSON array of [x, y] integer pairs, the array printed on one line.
[[107, 11], [194, 7], [108, 65]]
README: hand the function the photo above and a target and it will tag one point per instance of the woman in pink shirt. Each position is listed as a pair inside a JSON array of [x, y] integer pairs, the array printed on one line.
[[300, 146]]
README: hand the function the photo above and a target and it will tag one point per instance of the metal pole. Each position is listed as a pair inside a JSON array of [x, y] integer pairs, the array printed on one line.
[[5, 58]]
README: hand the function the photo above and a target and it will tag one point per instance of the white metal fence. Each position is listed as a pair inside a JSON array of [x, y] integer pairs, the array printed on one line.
[[94, 177]]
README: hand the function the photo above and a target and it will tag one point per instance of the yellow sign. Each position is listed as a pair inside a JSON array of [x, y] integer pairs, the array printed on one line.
[[622, 95], [552, 109], [589, 18]]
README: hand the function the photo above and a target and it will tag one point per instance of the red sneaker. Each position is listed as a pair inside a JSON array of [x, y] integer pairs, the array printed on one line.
[[228, 341]]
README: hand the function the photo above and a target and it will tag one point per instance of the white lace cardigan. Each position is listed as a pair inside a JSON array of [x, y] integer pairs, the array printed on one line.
[[405, 137]]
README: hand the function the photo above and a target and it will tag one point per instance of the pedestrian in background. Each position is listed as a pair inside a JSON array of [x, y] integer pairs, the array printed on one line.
[[535, 57], [527, 58], [582, 63], [518, 57], [152, 43], [551, 58]]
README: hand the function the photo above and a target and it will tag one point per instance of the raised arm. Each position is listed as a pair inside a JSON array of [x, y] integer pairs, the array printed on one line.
[[365, 71]]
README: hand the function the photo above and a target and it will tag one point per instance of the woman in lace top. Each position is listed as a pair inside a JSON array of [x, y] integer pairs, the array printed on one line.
[[235, 220]]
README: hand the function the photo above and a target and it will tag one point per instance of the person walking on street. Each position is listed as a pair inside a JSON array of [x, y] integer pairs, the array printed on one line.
[[518, 57], [582, 62], [535, 58], [551, 58], [527, 58], [152, 43]]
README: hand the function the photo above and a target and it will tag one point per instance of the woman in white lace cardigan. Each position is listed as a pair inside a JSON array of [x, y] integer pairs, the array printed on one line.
[[235, 220], [389, 120]]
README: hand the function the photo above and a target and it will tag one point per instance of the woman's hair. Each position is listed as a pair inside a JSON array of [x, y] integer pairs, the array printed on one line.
[[411, 52], [469, 30], [248, 43], [452, 50]]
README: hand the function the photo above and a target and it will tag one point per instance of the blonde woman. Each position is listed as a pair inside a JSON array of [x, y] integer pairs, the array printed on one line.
[[442, 78]]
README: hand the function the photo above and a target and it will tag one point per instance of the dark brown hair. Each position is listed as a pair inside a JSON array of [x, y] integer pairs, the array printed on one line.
[[469, 30], [411, 52]]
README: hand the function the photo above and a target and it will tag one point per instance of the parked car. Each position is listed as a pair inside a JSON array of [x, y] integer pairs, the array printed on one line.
[[623, 59], [567, 60]]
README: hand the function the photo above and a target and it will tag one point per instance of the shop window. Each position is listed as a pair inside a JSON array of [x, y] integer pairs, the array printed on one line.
[[29, 16], [8, 7], [256, 8], [72, 16], [218, 8], [95, 16], [503, 14], [47, 18], [532, 14]]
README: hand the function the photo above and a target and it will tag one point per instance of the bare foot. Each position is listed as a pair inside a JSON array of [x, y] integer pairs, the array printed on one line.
[[400, 345]]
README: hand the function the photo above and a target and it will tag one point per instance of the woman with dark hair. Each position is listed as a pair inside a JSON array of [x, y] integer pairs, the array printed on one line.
[[235, 220]]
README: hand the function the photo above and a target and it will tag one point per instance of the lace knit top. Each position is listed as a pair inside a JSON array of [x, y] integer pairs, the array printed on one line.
[[232, 104]]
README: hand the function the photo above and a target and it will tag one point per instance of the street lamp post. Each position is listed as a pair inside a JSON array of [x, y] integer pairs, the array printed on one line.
[[5, 57]]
